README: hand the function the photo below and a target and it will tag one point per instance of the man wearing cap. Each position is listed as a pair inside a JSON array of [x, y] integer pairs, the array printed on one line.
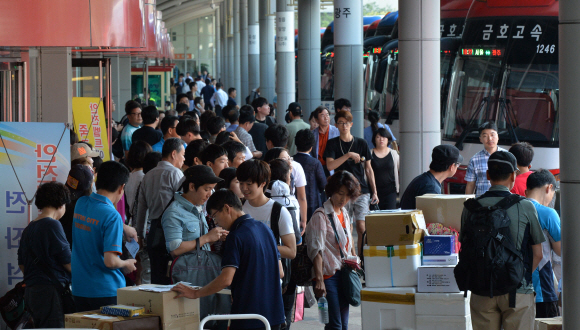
[[182, 222], [82, 153], [79, 183], [526, 234], [445, 159], [295, 111]]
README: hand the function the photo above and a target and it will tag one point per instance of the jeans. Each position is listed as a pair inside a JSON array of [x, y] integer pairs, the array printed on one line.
[[44, 304], [337, 305], [85, 304], [289, 299]]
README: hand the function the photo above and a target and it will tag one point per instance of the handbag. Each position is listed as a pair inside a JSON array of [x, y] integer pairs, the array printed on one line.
[[302, 267], [199, 268], [350, 284]]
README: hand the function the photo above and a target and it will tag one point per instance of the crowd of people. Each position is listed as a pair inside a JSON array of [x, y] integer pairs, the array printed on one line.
[[234, 181]]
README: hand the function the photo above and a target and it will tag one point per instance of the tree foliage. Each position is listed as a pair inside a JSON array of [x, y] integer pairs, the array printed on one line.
[[369, 9]]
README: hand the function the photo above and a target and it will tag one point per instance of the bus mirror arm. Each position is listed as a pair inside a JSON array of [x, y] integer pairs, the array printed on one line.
[[471, 127]]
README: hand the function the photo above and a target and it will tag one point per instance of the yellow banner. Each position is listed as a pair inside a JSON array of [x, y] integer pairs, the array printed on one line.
[[89, 120]]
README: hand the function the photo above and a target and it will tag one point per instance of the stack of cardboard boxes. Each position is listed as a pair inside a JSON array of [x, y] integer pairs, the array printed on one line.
[[409, 274]]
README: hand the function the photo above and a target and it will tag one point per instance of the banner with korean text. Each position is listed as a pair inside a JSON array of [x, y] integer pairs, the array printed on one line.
[[30, 154], [89, 121]]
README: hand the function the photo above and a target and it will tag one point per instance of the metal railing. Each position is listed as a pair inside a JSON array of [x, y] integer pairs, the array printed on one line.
[[234, 317]]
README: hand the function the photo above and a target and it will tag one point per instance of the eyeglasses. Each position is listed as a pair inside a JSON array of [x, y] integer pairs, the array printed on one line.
[[288, 159], [212, 216], [343, 123]]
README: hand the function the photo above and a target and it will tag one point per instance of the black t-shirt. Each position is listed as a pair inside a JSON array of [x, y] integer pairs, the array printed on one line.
[[147, 134], [46, 238], [336, 148], [268, 121], [421, 185], [258, 133], [385, 182]]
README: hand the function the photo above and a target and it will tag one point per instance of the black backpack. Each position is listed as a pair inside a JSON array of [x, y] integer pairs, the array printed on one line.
[[274, 219], [489, 263]]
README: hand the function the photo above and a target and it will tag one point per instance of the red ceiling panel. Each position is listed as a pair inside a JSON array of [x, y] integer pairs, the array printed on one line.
[[117, 23]]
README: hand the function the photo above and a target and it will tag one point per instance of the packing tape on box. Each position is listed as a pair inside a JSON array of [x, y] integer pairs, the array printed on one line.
[[402, 252], [388, 298]]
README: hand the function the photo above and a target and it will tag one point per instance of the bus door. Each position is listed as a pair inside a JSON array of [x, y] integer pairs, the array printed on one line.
[[13, 99]]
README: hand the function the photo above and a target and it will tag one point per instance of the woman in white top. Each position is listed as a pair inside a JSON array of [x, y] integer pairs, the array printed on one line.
[[135, 158]]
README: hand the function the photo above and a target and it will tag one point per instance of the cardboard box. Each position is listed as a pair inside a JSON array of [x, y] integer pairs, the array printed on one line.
[[429, 322], [96, 320], [395, 228], [549, 324], [391, 266], [388, 308], [182, 313], [442, 304], [444, 209], [438, 245], [122, 310], [450, 260], [436, 279]]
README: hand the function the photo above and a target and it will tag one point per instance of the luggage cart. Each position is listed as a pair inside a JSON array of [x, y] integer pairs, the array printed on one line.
[[234, 317]]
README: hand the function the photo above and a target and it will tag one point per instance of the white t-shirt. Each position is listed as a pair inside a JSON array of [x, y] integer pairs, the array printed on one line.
[[299, 176], [263, 213]]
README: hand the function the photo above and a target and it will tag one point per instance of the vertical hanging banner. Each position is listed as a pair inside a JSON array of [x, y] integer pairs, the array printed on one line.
[[348, 22], [253, 39], [285, 31], [39, 152], [89, 120]]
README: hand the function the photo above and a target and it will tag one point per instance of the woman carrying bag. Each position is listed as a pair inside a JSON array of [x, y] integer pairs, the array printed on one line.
[[329, 241]]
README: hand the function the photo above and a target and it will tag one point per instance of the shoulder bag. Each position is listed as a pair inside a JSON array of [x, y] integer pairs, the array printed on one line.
[[349, 278], [286, 263]]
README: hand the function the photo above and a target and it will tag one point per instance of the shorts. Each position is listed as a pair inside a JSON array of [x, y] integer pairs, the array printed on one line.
[[357, 209]]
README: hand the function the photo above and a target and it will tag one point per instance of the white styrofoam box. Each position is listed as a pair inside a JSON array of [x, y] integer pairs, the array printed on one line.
[[440, 304], [450, 260], [391, 266], [388, 308], [430, 322], [436, 279]]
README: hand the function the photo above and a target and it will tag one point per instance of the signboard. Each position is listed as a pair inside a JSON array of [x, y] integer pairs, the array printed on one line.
[[39, 152], [89, 121], [348, 22], [254, 39], [285, 31]]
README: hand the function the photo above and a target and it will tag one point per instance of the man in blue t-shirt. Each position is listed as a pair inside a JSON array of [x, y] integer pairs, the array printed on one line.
[[541, 187], [251, 265], [445, 159], [133, 111], [97, 270]]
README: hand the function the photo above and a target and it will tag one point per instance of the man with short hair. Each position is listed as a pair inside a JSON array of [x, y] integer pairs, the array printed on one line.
[[233, 116], [315, 178], [527, 237], [207, 93], [350, 153], [524, 153], [156, 191], [193, 152], [236, 153], [97, 270], [168, 128], [148, 133], [262, 109], [216, 157], [445, 160], [133, 111], [215, 125], [541, 187], [219, 98], [295, 111], [250, 260], [477, 181], [257, 132], [322, 134], [246, 121], [341, 105], [188, 130], [182, 108], [201, 83], [232, 98]]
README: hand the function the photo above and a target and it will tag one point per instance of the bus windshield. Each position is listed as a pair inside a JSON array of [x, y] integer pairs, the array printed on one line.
[[521, 98]]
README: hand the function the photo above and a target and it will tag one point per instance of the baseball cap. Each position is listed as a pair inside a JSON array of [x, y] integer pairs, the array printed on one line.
[[79, 180], [502, 162], [80, 150], [200, 175], [295, 108], [446, 154]]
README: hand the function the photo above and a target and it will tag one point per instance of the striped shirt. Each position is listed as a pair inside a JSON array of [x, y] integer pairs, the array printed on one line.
[[476, 171]]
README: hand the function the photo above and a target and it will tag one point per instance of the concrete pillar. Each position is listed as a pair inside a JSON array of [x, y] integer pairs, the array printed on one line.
[[267, 49], [218, 46], [224, 11], [569, 32], [244, 90], [419, 96], [348, 58], [286, 64], [56, 85], [237, 83], [230, 43], [309, 55], [253, 46], [121, 84]]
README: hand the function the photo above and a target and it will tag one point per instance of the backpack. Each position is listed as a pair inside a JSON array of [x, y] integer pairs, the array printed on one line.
[[293, 213], [274, 219], [13, 309], [489, 263]]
